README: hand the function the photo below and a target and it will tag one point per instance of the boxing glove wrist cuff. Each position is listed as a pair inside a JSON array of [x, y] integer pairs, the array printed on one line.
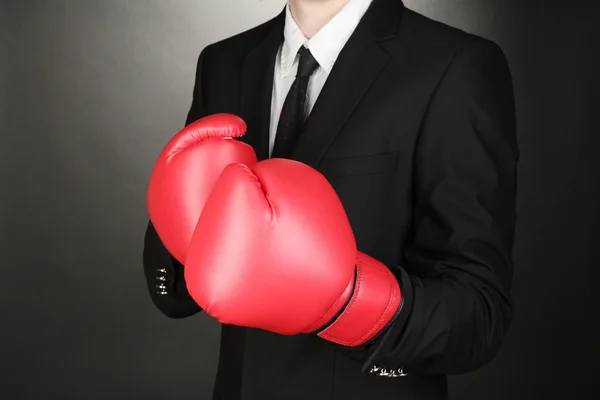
[[374, 303]]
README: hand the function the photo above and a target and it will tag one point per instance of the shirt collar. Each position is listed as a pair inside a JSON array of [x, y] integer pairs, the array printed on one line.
[[327, 44]]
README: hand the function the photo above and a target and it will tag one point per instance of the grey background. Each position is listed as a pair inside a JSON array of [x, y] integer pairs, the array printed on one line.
[[92, 90]]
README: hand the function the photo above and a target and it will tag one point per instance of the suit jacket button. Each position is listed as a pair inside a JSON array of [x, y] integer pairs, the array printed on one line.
[[384, 372], [161, 289]]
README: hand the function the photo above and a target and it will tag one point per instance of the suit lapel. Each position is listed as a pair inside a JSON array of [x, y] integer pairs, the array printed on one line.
[[356, 68], [257, 88]]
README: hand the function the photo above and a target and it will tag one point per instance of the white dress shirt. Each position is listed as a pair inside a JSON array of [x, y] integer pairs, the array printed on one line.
[[325, 47]]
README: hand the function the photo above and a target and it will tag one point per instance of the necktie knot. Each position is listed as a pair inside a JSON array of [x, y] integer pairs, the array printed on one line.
[[307, 64]]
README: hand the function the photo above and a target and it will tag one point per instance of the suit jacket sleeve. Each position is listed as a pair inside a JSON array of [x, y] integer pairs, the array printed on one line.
[[458, 268], [160, 267]]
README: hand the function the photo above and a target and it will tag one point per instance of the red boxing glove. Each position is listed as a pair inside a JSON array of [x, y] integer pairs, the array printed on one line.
[[186, 171], [274, 250]]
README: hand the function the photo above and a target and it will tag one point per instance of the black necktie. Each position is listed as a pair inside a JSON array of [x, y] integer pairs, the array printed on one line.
[[291, 118]]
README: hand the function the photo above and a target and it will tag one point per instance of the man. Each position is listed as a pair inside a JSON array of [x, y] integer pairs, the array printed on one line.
[[412, 123]]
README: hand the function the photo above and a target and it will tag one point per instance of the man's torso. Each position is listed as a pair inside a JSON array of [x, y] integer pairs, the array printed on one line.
[[361, 134]]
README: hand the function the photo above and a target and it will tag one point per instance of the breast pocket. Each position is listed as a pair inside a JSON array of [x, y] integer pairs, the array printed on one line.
[[363, 184], [359, 165]]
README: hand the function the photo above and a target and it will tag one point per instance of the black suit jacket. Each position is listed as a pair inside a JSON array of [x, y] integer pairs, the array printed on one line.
[[415, 130]]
